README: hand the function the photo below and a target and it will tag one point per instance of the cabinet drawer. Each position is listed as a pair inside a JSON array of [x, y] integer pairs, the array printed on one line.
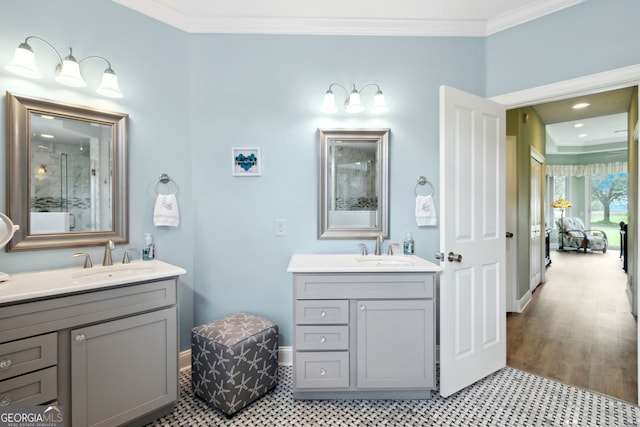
[[322, 337], [322, 369], [322, 312], [364, 285], [35, 388], [27, 355]]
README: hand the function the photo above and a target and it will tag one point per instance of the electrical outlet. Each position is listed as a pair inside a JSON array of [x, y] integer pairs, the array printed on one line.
[[281, 227]]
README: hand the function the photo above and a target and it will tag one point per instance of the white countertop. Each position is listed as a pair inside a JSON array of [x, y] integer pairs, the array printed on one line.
[[47, 283], [350, 263]]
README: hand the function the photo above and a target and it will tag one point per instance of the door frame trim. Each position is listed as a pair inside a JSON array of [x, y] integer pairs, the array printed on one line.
[[599, 82]]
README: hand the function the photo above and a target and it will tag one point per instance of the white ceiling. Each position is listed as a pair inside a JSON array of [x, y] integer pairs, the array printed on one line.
[[471, 18], [604, 123]]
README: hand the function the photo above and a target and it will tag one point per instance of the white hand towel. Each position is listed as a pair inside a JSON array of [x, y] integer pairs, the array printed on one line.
[[166, 211], [425, 211]]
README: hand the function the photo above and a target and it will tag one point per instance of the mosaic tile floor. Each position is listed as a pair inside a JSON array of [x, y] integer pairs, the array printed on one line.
[[509, 397]]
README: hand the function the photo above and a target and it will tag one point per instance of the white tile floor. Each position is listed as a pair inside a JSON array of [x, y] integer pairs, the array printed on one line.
[[507, 398]]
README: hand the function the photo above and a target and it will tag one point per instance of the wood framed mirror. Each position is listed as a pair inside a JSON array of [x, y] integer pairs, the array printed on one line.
[[67, 174], [354, 190]]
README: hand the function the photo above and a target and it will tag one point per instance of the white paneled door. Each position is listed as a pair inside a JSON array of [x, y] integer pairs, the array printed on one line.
[[472, 239]]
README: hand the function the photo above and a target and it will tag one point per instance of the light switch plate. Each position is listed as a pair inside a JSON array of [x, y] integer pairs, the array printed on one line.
[[281, 227]]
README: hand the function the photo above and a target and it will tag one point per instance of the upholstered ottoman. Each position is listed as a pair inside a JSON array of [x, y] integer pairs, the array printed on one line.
[[234, 361]]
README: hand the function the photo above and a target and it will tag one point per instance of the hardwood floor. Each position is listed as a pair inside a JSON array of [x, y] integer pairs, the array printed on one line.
[[578, 328]]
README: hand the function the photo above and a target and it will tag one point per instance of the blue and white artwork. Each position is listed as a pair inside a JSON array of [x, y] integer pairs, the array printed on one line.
[[247, 162]]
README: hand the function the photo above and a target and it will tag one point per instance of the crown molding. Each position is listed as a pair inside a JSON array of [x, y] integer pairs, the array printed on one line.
[[527, 13], [410, 27]]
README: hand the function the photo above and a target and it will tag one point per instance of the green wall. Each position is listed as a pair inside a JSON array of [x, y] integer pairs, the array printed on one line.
[[525, 124]]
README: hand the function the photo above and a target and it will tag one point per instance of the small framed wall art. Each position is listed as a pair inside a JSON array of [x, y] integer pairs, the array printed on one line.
[[247, 162]]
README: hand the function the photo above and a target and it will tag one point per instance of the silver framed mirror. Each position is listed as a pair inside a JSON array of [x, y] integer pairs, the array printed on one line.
[[354, 183], [67, 174]]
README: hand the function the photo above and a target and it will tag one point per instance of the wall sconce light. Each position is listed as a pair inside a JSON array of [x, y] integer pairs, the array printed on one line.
[[352, 103], [67, 70], [42, 170]]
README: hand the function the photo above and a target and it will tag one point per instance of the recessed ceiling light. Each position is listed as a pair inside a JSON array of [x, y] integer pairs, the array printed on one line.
[[582, 135], [581, 105], [578, 125]]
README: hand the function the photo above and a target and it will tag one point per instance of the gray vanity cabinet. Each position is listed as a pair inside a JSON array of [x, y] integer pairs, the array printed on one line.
[[121, 370], [364, 335], [394, 344], [108, 356]]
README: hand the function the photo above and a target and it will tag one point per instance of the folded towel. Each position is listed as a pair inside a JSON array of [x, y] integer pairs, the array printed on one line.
[[425, 211], [166, 211]]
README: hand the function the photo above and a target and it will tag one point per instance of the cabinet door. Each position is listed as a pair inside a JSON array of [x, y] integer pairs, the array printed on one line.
[[395, 344], [123, 369]]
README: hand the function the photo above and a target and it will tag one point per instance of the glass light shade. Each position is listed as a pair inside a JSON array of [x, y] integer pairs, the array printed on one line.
[[379, 106], [329, 103], [23, 62], [353, 104], [69, 74], [109, 86]]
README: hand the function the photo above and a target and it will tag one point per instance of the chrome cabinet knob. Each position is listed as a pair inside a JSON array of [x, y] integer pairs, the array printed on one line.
[[5, 363], [323, 340], [323, 313], [323, 372], [5, 401], [80, 337]]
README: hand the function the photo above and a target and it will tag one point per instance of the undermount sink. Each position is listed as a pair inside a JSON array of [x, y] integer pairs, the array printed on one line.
[[112, 272], [384, 260]]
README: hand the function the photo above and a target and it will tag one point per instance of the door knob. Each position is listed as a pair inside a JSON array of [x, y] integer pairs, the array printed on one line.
[[509, 234], [454, 257]]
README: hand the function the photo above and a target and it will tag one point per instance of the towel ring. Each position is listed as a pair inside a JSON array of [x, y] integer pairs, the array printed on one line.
[[422, 181], [164, 179]]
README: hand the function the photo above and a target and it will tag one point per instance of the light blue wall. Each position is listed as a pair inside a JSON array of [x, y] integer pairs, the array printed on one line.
[[193, 97], [591, 37]]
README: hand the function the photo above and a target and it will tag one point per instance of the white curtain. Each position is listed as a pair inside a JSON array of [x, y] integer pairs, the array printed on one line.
[[587, 170]]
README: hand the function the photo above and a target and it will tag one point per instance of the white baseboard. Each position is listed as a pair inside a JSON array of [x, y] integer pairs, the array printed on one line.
[[185, 359], [285, 357], [523, 302]]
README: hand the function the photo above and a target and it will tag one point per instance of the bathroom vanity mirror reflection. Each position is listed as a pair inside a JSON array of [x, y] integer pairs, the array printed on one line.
[[354, 175], [67, 174]]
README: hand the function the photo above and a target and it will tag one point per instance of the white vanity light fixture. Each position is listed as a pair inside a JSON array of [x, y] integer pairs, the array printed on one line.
[[67, 70], [352, 103]]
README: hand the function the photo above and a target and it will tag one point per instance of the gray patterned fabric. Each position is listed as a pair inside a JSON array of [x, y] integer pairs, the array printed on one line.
[[234, 361]]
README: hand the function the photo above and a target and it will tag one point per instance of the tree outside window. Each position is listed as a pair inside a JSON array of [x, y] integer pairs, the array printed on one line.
[[609, 192]]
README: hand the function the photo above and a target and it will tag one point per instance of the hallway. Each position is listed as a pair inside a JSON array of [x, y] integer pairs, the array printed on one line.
[[578, 328]]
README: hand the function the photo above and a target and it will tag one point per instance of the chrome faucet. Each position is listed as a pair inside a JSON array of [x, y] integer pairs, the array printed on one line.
[[107, 253], [391, 250], [363, 249], [379, 241], [125, 257], [87, 259]]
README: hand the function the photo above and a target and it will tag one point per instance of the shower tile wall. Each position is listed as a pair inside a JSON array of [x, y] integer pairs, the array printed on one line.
[[355, 179], [64, 185]]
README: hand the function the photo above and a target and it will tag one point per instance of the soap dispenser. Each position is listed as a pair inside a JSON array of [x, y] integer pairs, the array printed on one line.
[[149, 250], [408, 244]]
